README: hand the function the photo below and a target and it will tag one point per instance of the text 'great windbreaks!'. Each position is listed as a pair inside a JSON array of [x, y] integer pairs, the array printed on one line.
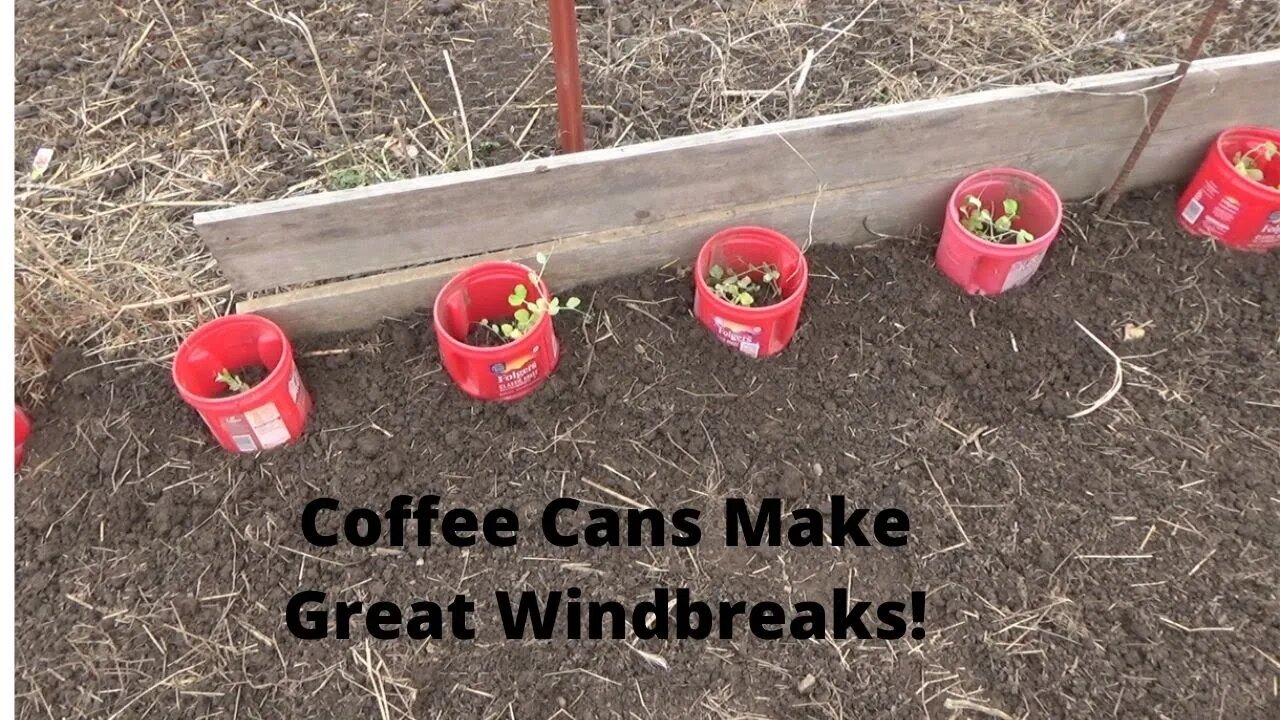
[[567, 613]]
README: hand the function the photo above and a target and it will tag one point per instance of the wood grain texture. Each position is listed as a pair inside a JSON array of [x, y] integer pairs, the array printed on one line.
[[410, 222], [893, 197], [837, 217]]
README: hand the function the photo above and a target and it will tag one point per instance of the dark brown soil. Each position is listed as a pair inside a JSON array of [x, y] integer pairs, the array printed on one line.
[[1119, 565], [251, 376]]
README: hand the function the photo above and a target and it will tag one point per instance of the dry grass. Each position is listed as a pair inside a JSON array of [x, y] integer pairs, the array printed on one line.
[[106, 256]]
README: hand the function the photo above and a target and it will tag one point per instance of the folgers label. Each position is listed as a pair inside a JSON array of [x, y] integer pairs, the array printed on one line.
[[1021, 271], [1210, 211], [1270, 235], [518, 374], [264, 427], [745, 338]]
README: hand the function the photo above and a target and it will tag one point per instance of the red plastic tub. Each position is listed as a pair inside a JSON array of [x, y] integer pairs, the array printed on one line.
[[21, 431], [1223, 204], [506, 372], [267, 415], [755, 331], [986, 268]]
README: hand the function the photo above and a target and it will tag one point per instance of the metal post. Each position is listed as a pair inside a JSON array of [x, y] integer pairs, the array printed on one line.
[[1189, 56], [564, 49]]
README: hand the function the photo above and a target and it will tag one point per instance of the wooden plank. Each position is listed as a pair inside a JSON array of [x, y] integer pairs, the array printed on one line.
[[894, 207], [642, 187]]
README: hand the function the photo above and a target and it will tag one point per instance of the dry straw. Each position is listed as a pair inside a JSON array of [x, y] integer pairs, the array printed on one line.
[[156, 111]]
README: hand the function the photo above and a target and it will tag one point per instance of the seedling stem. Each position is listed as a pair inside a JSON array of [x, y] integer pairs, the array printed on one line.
[[984, 222], [1247, 163], [233, 382], [529, 312], [739, 288]]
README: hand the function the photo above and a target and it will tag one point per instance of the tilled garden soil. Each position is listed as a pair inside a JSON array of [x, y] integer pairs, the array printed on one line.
[[1123, 564]]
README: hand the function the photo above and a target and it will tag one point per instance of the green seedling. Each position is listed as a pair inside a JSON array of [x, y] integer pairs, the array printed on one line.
[[529, 312], [233, 382], [1249, 162], [360, 174], [984, 222], [740, 289]]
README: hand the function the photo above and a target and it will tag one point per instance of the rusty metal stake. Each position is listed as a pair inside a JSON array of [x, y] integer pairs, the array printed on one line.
[[1166, 96], [564, 48]]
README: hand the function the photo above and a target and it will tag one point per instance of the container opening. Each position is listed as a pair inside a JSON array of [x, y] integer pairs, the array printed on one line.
[[1037, 209], [230, 347], [739, 253], [482, 296]]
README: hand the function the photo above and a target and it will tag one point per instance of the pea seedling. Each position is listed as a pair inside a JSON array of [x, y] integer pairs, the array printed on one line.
[[1247, 162], [233, 382], [985, 224], [740, 289], [529, 312]]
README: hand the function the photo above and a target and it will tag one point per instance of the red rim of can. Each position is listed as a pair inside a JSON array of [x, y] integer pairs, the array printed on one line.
[[1227, 135], [784, 244], [461, 278], [255, 394], [998, 249]]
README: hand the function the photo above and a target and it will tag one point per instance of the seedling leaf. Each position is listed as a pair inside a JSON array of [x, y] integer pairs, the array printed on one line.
[[232, 381], [529, 311], [1247, 163], [981, 221]]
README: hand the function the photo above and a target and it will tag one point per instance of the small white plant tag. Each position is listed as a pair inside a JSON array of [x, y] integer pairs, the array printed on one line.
[[44, 156]]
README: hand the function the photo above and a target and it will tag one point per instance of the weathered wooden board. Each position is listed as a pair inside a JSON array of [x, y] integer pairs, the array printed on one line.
[[1076, 134], [837, 216]]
